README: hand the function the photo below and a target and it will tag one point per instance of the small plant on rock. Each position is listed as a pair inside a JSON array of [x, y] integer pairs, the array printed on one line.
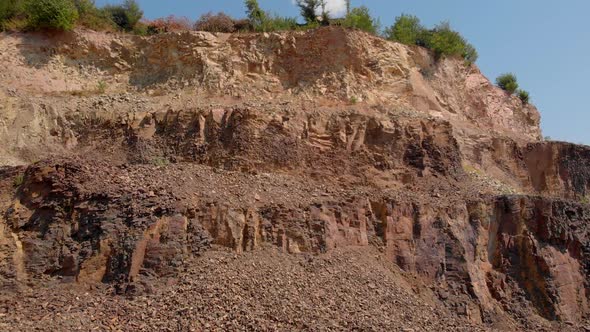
[[102, 87], [524, 96], [507, 82], [18, 180], [160, 161]]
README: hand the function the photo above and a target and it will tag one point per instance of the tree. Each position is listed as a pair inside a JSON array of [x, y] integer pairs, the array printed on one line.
[[524, 96], [446, 41], [126, 15], [92, 17], [507, 82], [52, 14], [406, 30], [255, 14], [309, 9], [360, 18]]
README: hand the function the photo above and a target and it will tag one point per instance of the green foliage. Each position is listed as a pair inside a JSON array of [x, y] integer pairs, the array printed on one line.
[[160, 162], [51, 14], [360, 18], [256, 15], [309, 9], [92, 17], [443, 40], [18, 180], [125, 16], [470, 53], [446, 41], [262, 21], [507, 82], [10, 9], [406, 30], [141, 29], [278, 23], [101, 87], [524, 96]]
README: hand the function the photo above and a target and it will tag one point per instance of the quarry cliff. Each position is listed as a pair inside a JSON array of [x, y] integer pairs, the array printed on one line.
[[310, 180]]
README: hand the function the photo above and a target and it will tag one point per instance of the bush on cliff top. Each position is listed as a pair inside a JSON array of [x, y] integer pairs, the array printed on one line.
[[406, 30], [507, 82], [93, 17], [51, 14], [125, 16], [219, 22], [360, 18], [443, 40], [524, 96]]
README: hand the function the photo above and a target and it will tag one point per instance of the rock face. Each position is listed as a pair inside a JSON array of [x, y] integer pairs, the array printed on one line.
[[306, 143]]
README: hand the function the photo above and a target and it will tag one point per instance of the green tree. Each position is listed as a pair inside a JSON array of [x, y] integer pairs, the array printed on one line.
[[255, 14], [126, 15], [406, 30], [309, 9], [524, 96], [93, 17], [470, 53], [51, 14], [507, 82], [446, 41], [360, 18]]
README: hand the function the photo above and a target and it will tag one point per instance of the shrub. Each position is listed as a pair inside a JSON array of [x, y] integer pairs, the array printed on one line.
[[92, 17], [168, 24], [219, 22], [140, 29], [10, 9], [470, 53], [406, 30], [524, 96], [256, 15], [261, 21], [278, 23], [446, 41], [14, 24], [126, 16], [360, 18], [18, 180], [51, 14], [507, 82], [309, 9], [243, 25], [443, 40], [101, 87]]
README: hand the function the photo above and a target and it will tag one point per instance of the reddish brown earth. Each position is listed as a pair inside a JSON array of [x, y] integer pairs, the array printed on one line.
[[321, 180]]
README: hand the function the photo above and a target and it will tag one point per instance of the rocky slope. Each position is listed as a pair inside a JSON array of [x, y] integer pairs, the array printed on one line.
[[222, 180]]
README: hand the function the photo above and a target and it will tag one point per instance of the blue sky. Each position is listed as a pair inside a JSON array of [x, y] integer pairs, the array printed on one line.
[[545, 43]]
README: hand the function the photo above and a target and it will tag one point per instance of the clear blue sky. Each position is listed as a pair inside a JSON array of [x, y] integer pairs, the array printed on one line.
[[546, 43]]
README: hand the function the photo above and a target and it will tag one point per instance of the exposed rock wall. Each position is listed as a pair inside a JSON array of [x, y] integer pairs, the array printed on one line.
[[354, 66], [302, 141], [485, 251]]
